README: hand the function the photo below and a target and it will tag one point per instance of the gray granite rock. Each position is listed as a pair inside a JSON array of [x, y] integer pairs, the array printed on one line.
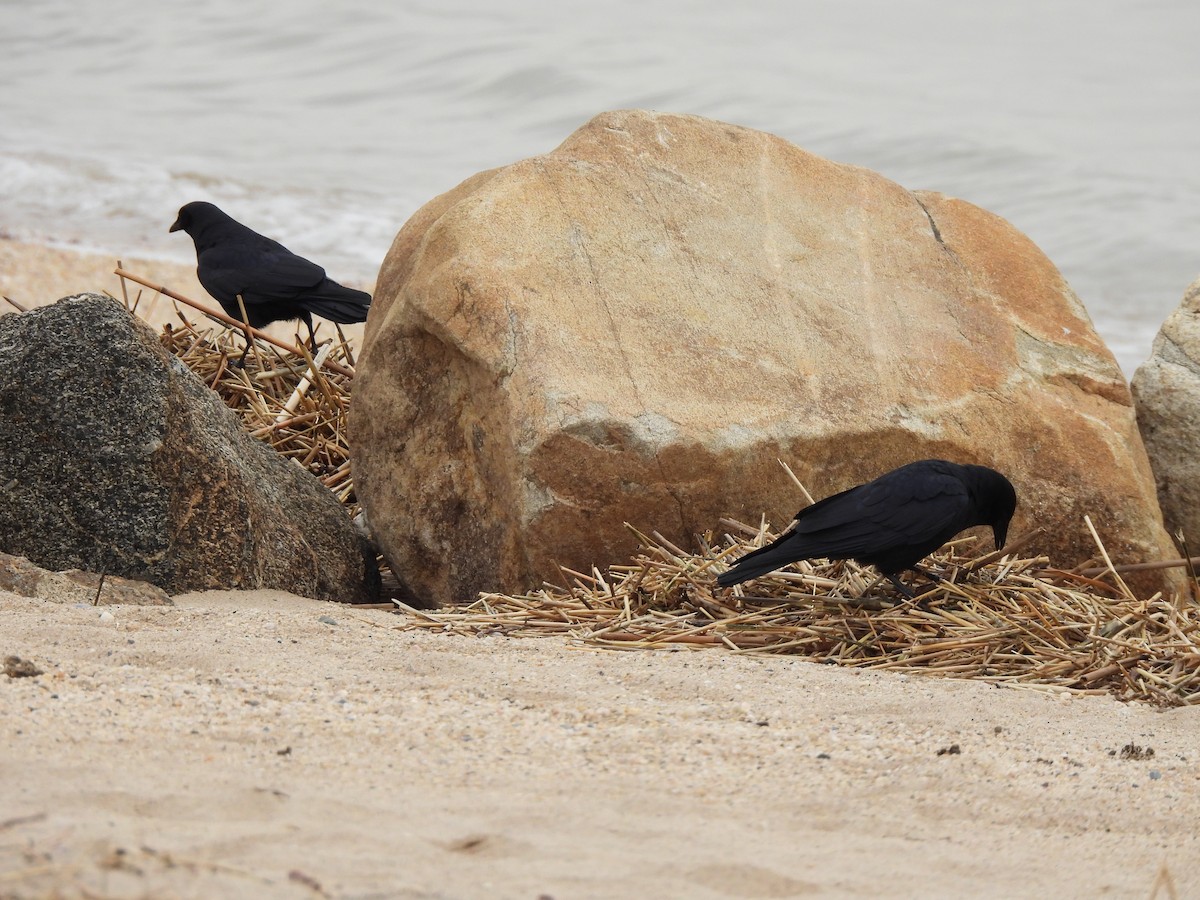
[[115, 458], [1166, 393]]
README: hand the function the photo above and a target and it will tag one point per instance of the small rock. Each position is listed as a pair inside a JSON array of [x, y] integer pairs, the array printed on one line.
[[15, 667], [1155, 774], [20, 576], [106, 616], [1136, 751], [328, 620]]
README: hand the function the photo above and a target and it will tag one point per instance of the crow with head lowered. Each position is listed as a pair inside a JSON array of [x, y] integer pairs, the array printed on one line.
[[891, 523], [274, 283]]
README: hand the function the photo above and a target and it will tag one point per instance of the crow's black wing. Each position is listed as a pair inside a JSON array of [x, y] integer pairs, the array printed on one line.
[[910, 507], [262, 271]]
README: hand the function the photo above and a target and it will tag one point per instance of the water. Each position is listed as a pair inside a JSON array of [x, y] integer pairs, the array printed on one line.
[[328, 125]]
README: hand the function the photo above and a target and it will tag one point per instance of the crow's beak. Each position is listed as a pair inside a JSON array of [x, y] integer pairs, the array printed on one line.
[[1000, 533], [175, 227]]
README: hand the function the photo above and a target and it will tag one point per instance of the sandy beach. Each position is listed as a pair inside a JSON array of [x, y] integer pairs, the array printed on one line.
[[35, 275], [264, 745], [257, 744]]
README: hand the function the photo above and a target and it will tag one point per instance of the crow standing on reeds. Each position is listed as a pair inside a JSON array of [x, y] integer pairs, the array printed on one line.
[[891, 523], [274, 283]]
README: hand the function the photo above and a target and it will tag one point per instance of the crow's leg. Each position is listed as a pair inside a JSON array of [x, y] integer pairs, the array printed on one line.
[[241, 363], [932, 576], [306, 317], [901, 587]]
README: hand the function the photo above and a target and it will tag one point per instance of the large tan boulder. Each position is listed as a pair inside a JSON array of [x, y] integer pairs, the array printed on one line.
[[637, 325], [1166, 391]]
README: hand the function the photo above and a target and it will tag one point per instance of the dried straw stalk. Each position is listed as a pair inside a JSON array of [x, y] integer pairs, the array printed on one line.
[[219, 316]]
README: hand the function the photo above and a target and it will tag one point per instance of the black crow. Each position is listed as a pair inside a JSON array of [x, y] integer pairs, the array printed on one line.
[[274, 283], [891, 523]]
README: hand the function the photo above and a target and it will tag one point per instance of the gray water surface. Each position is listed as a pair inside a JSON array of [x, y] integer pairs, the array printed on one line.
[[328, 125]]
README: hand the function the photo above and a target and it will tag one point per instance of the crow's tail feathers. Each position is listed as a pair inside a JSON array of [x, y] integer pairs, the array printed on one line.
[[343, 305], [761, 561]]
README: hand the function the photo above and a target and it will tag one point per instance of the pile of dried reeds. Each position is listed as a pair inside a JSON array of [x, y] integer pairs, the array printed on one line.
[[283, 395], [1007, 619], [285, 399]]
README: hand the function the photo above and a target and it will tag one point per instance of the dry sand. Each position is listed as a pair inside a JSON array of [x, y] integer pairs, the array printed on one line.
[[263, 745], [35, 275]]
